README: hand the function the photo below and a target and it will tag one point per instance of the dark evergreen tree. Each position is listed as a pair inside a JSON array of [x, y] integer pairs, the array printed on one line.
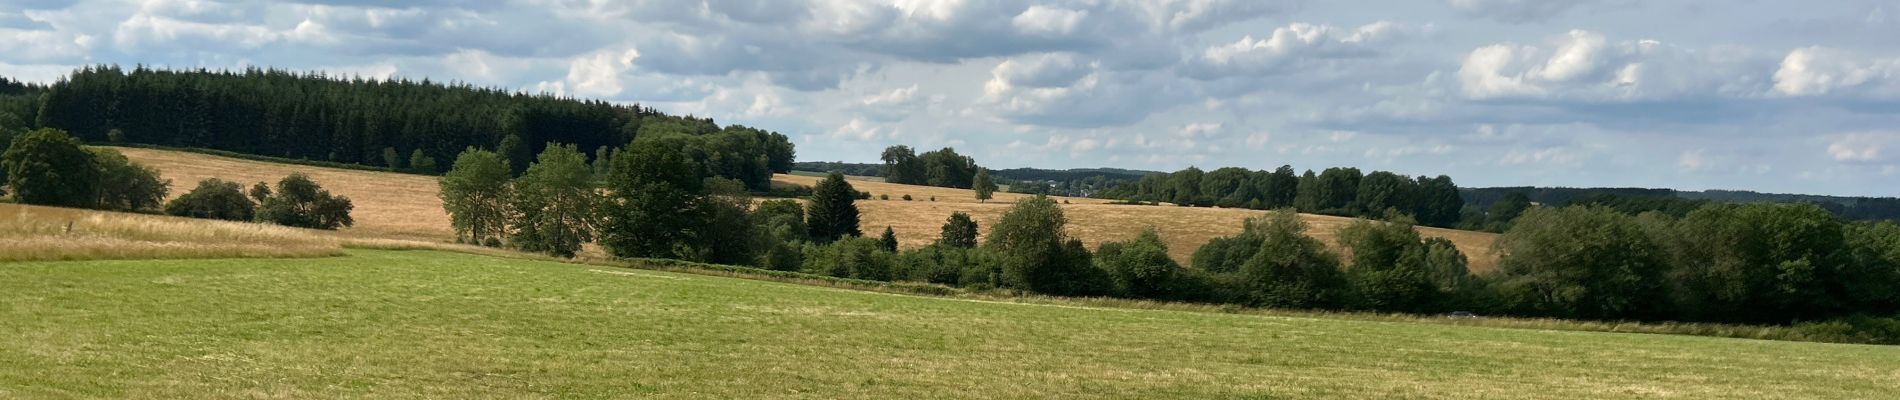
[[834, 209]]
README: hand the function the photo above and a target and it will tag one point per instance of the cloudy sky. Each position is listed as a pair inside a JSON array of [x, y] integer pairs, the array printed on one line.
[[1778, 96]]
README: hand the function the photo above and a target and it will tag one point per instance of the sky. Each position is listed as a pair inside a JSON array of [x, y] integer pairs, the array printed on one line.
[[1776, 96]]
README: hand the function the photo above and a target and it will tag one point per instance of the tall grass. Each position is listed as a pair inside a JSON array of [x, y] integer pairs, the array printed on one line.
[[33, 233]]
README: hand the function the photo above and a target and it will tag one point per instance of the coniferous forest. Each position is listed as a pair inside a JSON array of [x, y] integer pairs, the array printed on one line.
[[386, 123]]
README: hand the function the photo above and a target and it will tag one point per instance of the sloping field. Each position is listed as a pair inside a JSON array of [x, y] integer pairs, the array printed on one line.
[[407, 206], [420, 324], [918, 222], [387, 204]]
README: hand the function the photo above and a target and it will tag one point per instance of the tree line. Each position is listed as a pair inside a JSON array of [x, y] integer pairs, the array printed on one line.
[[1755, 263], [397, 123], [1334, 191], [50, 167]]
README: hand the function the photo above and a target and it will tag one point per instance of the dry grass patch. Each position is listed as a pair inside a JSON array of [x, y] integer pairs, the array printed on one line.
[[34, 233]]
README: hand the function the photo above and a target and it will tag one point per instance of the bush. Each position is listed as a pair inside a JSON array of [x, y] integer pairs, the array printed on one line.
[[947, 265], [907, 197], [1140, 268], [850, 257], [213, 199], [1225, 254], [780, 229], [885, 197], [1388, 270], [300, 202]]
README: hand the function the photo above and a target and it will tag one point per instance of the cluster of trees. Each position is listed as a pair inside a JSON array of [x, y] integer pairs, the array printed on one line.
[[942, 168], [1335, 191], [1678, 203], [399, 124], [50, 167]]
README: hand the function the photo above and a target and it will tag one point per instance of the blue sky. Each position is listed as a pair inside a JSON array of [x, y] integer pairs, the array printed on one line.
[[1776, 96]]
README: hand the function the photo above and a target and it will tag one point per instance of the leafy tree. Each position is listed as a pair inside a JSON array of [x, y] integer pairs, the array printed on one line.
[[782, 232], [48, 167], [1506, 210], [421, 162], [476, 194], [888, 240], [1438, 202], [1031, 241], [1763, 263], [948, 265], [1280, 188], [1581, 262], [653, 194], [1227, 187], [213, 199], [1290, 269], [958, 231], [985, 189], [945, 168], [1226, 254], [259, 192], [727, 235], [1871, 281], [1308, 198], [127, 186], [553, 203], [901, 165], [302, 203], [1339, 191], [834, 210], [1389, 271], [1140, 268], [1187, 187], [1381, 191]]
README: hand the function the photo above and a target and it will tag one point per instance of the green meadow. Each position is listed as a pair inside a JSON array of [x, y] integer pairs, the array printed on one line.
[[427, 324]]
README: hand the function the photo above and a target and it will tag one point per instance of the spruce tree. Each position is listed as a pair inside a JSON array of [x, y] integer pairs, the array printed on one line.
[[834, 209]]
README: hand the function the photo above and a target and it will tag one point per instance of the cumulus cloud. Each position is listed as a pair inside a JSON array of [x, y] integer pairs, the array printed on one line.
[[1584, 65], [1034, 90], [1292, 46], [1820, 71]]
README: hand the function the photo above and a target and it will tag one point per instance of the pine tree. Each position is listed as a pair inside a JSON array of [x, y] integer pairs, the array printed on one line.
[[834, 210]]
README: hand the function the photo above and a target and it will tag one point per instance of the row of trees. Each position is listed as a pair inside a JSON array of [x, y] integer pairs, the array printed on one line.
[[395, 123], [943, 167], [50, 167], [1334, 191]]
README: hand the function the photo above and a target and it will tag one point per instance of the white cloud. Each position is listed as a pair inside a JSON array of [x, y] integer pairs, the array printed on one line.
[[1291, 46], [1040, 19], [1863, 147], [1819, 71], [1692, 160], [1583, 65], [598, 74]]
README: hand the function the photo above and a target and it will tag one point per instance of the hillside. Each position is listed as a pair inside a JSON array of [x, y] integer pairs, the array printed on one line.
[[446, 325], [407, 206]]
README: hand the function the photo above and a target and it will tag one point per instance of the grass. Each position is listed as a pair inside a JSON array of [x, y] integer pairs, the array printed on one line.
[[39, 233], [423, 324]]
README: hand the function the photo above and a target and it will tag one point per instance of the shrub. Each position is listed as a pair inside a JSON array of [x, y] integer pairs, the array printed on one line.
[[1388, 269], [1140, 268], [947, 265], [907, 197], [213, 199], [300, 202], [850, 257], [885, 197]]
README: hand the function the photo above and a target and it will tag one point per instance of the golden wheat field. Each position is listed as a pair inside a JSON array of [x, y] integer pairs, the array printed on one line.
[[40, 233], [407, 206]]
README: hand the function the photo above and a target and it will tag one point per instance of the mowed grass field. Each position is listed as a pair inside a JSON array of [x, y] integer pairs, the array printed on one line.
[[407, 206], [425, 324]]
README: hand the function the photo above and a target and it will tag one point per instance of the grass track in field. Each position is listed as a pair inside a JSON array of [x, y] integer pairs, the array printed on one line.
[[445, 325]]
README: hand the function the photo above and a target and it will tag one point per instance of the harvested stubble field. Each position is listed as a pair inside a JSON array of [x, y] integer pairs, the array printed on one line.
[[424, 324], [39, 233], [407, 206]]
